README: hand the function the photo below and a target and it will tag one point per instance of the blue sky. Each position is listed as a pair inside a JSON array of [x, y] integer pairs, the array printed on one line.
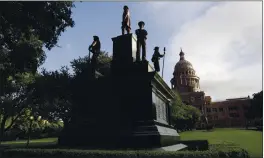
[[104, 19], [191, 25]]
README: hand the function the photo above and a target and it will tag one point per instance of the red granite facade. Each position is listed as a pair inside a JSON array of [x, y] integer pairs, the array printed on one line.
[[228, 113]]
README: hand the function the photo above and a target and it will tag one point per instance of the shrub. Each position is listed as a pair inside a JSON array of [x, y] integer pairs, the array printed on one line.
[[196, 144], [66, 153], [210, 127]]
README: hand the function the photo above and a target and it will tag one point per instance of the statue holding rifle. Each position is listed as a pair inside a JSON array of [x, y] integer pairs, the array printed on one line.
[[156, 57], [95, 49]]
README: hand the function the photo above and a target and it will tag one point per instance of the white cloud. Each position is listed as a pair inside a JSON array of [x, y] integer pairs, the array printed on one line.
[[68, 46], [224, 44], [171, 14]]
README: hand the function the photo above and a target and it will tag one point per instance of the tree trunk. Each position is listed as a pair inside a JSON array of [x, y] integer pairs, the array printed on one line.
[[29, 133], [2, 128]]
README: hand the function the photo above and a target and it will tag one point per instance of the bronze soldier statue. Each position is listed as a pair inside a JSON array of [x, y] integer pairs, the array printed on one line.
[[141, 41], [155, 58], [126, 24], [95, 49]]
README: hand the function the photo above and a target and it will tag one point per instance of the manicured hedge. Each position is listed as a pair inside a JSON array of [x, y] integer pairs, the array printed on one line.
[[231, 152], [196, 144]]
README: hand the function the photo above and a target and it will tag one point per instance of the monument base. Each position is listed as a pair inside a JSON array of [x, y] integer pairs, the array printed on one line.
[[130, 109], [150, 135], [114, 122]]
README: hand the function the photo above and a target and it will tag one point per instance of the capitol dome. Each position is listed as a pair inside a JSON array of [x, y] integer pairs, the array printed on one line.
[[185, 78], [183, 64]]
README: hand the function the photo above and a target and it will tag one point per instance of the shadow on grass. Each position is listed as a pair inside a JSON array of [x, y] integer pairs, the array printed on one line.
[[253, 129], [42, 145]]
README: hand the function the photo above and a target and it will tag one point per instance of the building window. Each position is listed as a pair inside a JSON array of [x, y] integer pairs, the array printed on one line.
[[209, 117], [221, 110], [245, 108], [233, 108], [234, 115], [216, 117], [192, 99], [214, 109], [208, 109]]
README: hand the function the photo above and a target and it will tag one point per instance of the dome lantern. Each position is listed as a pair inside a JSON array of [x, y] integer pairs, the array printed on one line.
[[181, 55]]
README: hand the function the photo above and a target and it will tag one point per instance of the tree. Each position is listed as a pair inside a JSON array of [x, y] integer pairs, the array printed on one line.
[[254, 113], [37, 22], [193, 115], [54, 90], [16, 99], [104, 63], [53, 94], [257, 105], [184, 116], [25, 27]]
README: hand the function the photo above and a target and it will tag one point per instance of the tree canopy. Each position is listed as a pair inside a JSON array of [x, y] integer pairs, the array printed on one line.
[[26, 28], [54, 90], [256, 108], [184, 116]]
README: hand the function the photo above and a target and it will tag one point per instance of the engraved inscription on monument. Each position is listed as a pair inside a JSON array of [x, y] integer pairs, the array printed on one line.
[[161, 109]]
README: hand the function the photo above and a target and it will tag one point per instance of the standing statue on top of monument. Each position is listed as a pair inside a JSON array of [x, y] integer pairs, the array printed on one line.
[[126, 24], [155, 58], [95, 49], [141, 41]]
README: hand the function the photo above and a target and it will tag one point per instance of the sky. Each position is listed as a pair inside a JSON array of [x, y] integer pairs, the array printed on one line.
[[222, 40]]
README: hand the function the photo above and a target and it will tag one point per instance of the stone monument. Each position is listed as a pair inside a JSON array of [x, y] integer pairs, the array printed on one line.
[[129, 109]]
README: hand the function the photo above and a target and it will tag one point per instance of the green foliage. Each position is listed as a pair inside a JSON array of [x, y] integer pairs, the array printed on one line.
[[256, 108], [52, 93], [52, 153], [54, 90], [82, 63], [15, 100], [25, 27], [196, 144], [184, 116]]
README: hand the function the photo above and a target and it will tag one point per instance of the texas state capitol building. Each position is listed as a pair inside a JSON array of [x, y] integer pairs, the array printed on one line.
[[227, 113]]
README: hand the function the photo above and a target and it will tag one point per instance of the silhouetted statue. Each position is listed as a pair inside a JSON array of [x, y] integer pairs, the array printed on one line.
[[141, 41], [155, 58], [126, 24], [95, 49]]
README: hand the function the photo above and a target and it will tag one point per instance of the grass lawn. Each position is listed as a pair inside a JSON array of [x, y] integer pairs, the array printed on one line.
[[32, 143], [248, 139]]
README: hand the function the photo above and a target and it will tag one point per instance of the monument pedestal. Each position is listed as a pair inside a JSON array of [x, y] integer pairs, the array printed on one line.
[[129, 109]]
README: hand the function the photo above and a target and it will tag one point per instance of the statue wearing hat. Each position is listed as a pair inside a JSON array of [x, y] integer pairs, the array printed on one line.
[[126, 24], [155, 58], [95, 49], [141, 41]]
